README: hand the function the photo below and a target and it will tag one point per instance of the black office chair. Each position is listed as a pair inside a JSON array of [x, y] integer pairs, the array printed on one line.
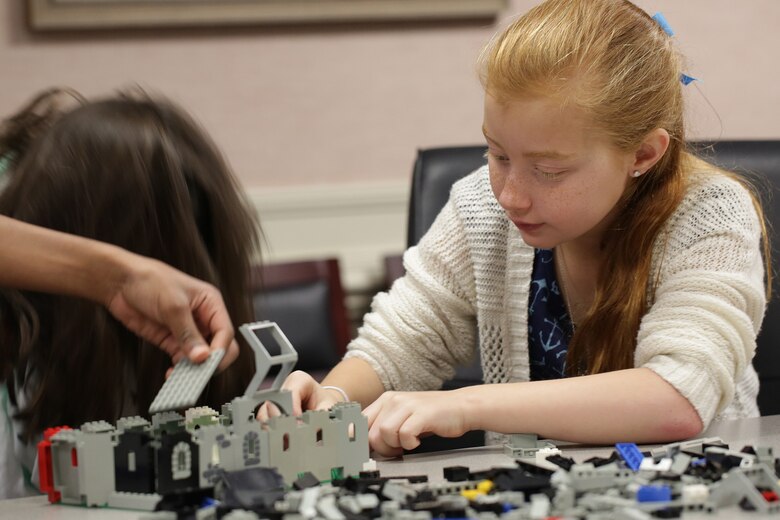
[[306, 300], [435, 171]]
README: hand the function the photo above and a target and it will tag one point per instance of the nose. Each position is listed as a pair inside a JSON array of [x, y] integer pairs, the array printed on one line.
[[515, 192]]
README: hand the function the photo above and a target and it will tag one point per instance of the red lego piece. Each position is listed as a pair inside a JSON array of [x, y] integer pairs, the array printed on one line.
[[770, 496], [45, 465]]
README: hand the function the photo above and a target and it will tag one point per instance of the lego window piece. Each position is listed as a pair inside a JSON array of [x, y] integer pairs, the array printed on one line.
[[185, 384], [181, 461], [265, 337], [251, 448]]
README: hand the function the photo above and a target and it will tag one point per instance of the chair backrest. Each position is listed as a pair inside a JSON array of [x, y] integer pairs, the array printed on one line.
[[306, 300], [435, 171]]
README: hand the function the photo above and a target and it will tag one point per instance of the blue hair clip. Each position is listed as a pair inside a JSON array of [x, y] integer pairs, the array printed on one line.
[[660, 20]]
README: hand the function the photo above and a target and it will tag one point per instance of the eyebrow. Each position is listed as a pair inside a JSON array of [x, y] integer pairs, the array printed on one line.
[[543, 154]]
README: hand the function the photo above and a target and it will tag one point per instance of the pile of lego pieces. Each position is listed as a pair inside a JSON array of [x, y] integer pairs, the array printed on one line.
[[702, 475]]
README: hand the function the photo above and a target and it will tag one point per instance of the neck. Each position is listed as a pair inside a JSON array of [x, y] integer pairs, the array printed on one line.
[[577, 267]]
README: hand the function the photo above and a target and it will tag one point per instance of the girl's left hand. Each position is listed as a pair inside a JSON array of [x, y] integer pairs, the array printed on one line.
[[397, 420]]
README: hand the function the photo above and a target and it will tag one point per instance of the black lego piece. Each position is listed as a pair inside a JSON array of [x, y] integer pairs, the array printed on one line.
[[424, 500], [723, 462], [496, 508], [533, 469], [714, 444], [487, 474], [178, 468], [601, 461], [456, 473], [252, 488], [370, 484], [357, 485], [306, 480], [413, 479], [668, 512], [134, 462], [185, 504], [510, 479], [561, 461], [748, 449]]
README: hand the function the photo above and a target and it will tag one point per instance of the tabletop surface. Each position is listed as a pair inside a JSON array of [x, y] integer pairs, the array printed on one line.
[[762, 431]]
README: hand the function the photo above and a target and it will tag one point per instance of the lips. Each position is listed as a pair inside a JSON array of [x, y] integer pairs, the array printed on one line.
[[526, 226]]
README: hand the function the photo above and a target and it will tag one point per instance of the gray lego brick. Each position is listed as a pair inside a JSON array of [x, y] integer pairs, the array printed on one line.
[[185, 383]]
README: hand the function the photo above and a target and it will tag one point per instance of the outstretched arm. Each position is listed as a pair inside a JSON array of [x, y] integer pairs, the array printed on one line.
[[634, 405], [159, 303]]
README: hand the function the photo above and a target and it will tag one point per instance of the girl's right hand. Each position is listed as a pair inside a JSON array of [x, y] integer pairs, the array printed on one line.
[[307, 394]]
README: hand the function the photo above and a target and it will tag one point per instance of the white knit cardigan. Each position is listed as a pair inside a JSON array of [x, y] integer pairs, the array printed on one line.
[[473, 267]]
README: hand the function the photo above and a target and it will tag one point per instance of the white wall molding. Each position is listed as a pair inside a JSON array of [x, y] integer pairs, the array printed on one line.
[[357, 223]]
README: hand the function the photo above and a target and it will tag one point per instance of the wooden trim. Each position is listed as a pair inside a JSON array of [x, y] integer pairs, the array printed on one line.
[[101, 14]]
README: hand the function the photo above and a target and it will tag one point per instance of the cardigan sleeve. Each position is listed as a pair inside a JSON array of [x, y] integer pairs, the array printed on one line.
[[419, 331], [699, 333]]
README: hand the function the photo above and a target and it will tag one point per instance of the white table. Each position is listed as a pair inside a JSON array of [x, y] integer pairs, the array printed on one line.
[[763, 431]]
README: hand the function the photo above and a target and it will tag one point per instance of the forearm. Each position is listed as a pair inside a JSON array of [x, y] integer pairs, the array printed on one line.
[[357, 379], [633, 405], [40, 259]]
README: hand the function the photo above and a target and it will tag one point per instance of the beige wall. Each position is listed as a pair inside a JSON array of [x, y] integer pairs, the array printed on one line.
[[346, 107], [302, 106]]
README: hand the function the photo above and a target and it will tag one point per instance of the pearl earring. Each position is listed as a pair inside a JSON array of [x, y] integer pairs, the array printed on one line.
[[636, 173]]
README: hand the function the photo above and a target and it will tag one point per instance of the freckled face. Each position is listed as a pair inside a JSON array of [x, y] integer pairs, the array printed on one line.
[[556, 180]]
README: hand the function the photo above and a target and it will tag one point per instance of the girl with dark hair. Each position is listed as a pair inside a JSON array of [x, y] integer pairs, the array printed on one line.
[[138, 173]]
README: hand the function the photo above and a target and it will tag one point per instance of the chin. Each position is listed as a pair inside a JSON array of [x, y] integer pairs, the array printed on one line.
[[538, 242]]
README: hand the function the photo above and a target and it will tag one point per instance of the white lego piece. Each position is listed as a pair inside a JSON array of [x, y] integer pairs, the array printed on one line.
[[695, 494], [541, 458], [540, 506], [369, 465], [663, 465]]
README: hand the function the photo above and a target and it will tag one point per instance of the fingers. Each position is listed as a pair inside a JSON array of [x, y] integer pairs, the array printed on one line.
[[266, 411], [209, 310], [303, 388], [306, 392], [230, 355], [182, 325], [393, 426]]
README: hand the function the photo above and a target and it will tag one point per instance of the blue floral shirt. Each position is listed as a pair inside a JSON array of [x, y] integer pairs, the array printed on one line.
[[549, 324]]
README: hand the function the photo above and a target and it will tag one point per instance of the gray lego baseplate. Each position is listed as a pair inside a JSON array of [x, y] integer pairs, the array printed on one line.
[[185, 384]]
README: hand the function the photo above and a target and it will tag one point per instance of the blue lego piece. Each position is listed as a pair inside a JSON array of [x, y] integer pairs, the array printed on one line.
[[630, 453], [654, 494]]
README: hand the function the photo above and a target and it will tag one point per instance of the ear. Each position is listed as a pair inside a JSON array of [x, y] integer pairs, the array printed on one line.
[[651, 150]]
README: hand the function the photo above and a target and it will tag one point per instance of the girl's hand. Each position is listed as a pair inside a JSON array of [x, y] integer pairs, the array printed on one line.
[[307, 394], [397, 420]]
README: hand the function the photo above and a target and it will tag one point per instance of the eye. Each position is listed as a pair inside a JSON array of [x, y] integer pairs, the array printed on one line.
[[497, 156], [550, 175]]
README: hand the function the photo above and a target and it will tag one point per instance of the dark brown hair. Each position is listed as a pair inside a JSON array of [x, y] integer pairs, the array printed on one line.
[[133, 171]]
